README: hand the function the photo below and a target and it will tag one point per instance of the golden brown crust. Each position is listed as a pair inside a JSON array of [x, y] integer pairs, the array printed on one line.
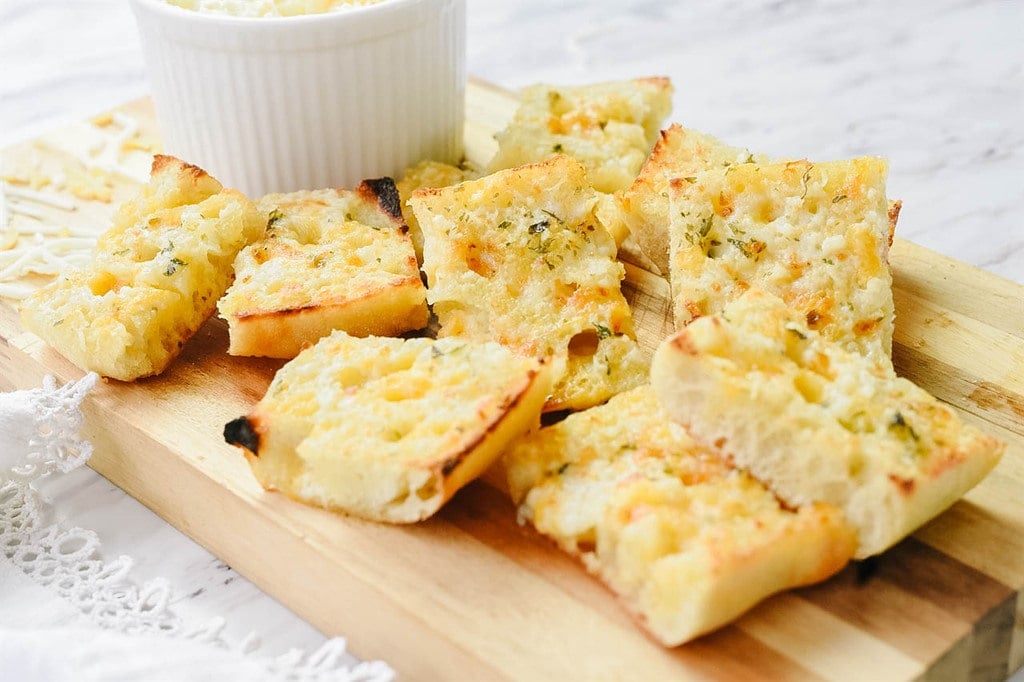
[[814, 234], [518, 257], [687, 542], [894, 215], [331, 259], [155, 275], [679, 152], [818, 423], [388, 429]]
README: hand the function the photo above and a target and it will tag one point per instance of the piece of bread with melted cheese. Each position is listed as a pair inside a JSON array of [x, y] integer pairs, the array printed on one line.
[[817, 423], [155, 276], [517, 257], [680, 152], [814, 234], [330, 259], [609, 127], [686, 541], [388, 429], [426, 174]]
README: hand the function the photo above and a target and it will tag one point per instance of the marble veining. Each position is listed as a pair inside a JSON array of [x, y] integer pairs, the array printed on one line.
[[936, 87]]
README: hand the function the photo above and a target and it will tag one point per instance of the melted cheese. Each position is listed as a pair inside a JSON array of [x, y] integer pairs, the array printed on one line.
[[608, 127], [815, 234], [155, 275], [333, 259], [817, 422], [668, 524], [518, 257]]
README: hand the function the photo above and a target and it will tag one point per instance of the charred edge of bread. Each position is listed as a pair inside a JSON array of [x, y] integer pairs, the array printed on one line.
[[383, 190], [894, 216], [511, 403], [242, 432], [162, 161]]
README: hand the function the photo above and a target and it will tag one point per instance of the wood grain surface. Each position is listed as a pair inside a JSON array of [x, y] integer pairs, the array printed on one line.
[[470, 594]]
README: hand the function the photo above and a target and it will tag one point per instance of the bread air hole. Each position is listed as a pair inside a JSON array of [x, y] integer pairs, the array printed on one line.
[[768, 211], [584, 344], [396, 432]]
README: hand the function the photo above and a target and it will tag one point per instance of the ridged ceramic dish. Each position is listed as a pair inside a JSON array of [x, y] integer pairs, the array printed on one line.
[[277, 104]]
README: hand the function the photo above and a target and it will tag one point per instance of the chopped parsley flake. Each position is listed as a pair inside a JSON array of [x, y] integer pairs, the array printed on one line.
[[751, 248], [274, 216], [173, 265]]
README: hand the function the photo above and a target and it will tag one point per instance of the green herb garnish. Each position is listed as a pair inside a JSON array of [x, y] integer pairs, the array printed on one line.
[[173, 265], [274, 216]]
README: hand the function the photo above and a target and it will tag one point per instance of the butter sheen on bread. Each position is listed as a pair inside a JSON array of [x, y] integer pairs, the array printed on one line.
[[609, 127], [154, 278], [330, 259], [814, 234], [389, 429], [686, 541], [518, 257], [818, 423]]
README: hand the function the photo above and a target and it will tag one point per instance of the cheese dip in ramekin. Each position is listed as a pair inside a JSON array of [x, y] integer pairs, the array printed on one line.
[[270, 8], [325, 99]]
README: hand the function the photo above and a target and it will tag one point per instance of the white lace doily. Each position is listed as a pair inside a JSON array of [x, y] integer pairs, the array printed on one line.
[[109, 626]]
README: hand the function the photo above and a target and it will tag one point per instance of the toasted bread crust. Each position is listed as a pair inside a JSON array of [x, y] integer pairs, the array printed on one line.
[[818, 423], [608, 127], [388, 429], [815, 234], [426, 174], [331, 259], [687, 542], [518, 257], [679, 152], [155, 275]]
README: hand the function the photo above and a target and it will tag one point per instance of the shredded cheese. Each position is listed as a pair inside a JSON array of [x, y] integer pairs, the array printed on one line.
[[25, 210], [53, 200], [32, 242]]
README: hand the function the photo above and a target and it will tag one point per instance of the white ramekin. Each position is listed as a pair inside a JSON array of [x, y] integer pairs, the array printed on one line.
[[278, 104]]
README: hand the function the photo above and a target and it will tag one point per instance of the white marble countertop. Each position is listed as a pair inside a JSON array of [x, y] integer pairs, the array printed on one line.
[[936, 87]]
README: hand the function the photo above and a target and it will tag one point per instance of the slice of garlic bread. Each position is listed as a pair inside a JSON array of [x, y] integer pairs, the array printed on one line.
[[155, 276], [331, 259], [517, 257], [679, 153], [815, 422], [815, 234], [686, 541], [426, 174], [389, 429], [609, 127]]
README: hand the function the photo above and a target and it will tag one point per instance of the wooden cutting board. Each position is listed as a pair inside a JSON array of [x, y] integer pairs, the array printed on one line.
[[472, 595]]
